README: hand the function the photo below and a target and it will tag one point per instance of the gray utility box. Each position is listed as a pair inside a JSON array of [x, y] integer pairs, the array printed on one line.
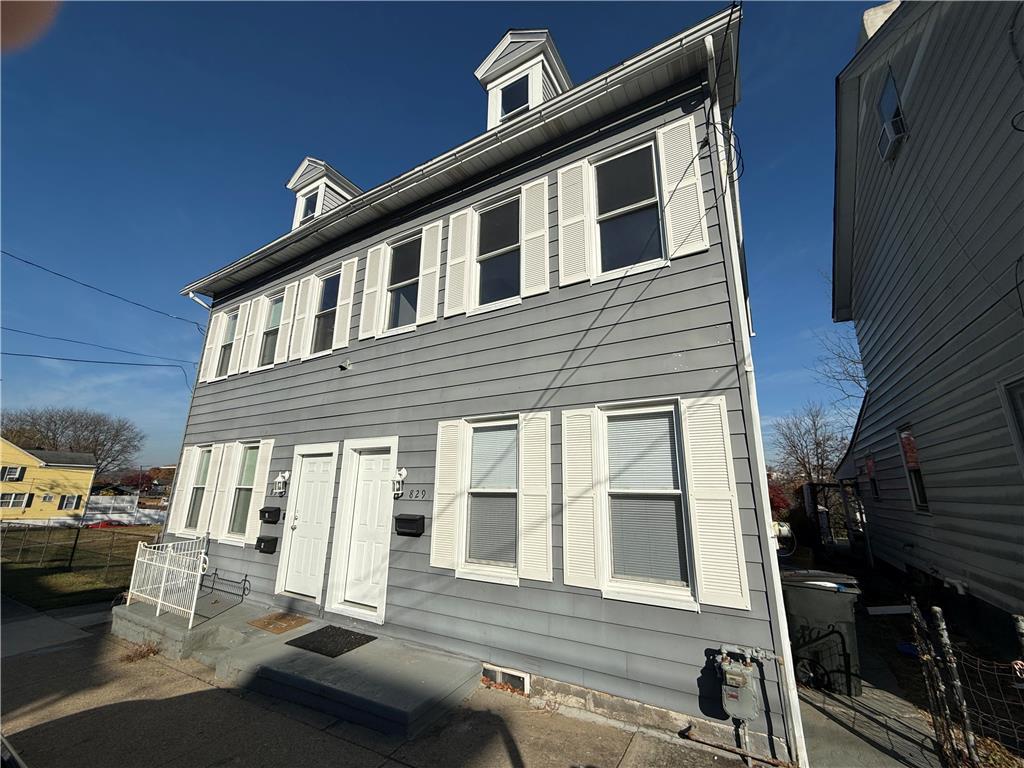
[[820, 610]]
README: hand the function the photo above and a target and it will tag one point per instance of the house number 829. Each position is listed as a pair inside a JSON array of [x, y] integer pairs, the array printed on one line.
[[417, 494]]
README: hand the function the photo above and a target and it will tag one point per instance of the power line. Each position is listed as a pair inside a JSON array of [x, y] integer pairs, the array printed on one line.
[[98, 346], [102, 362], [105, 293]]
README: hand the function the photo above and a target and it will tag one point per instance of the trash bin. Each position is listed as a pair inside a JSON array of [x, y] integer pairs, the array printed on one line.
[[823, 628]]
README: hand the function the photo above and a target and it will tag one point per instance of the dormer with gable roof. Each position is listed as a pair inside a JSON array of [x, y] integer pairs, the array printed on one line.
[[318, 188], [522, 71]]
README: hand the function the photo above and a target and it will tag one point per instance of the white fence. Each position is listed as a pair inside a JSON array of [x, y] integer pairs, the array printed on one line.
[[168, 576]]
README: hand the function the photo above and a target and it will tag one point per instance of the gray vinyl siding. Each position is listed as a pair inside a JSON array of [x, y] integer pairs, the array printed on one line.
[[664, 333], [307, 176], [936, 313], [513, 50], [548, 89], [331, 198]]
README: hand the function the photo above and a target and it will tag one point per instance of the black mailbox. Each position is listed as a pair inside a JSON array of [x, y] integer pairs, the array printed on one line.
[[266, 544], [409, 525], [270, 514]]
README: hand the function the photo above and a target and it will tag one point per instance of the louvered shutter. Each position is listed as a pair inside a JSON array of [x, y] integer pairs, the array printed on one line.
[[236, 347], [535, 496], [182, 478], [685, 224], [284, 333], [259, 490], [449, 497], [343, 316], [430, 268], [713, 505], [533, 223], [460, 230], [369, 313], [214, 329], [301, 325], [579, 498], [253, 334], [217, 505], [573, 225]]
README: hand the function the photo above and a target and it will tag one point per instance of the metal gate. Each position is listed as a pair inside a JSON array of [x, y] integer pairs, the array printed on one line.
[[168, 576]]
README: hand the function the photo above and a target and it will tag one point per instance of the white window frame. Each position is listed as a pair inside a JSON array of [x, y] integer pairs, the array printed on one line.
[[536, 69], [920, 507], [684, 597], [8, 500], [505, 116], [270, 299], [316, 188], [464, 567], [192, 489], [229, 536], [19, 473], [384, 299], [47, 498], [73, 498], [595, 219], [219, 349], [310, 332], [473, 306]]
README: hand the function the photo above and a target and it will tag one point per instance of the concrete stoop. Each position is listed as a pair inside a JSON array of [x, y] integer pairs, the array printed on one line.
[[388, 685]]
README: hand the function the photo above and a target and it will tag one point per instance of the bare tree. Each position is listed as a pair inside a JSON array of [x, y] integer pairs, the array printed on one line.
[[808, 444], [840, 368], [114, 441]]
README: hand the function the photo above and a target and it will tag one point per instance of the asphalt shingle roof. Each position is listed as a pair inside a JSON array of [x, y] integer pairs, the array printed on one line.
[[66, 458]]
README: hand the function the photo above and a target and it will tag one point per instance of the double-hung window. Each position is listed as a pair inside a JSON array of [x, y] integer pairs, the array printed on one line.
[[12, 500], [515, 97], [908, 448], [270, 332], [628, 210], [68, 502], [497, 266], [226, 344], [403, 284], [243, 491], [11, 474], [645, 501], [493, 492], [195, 503], [326, 313], [309, 207]]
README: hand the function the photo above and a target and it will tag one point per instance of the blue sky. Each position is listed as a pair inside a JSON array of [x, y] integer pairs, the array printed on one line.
[[146, 144]]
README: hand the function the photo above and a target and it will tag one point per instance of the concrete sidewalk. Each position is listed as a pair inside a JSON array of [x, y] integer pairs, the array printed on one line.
[[71, 699]]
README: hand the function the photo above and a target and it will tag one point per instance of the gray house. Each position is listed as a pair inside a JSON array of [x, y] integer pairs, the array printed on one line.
[[536, 345], [929, 226]]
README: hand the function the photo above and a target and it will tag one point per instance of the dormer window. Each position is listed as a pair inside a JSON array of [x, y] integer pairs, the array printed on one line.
[[318, 189], [309, 206], [515, 97]]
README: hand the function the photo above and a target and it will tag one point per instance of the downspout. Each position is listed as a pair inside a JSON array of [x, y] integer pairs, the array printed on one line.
[[794, 725]]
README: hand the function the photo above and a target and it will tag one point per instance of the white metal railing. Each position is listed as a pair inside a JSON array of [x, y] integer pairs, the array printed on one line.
[[168, 576]]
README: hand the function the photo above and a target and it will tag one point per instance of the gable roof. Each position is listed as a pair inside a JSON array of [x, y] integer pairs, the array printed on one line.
[[517, 46], [312, 169], [677, 59], [62, 458]]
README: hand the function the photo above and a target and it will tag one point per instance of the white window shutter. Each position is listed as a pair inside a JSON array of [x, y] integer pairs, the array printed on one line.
[[369, 313], [713, 506], [210, 353], [430, 268], [533, 223], [460, 231], [449, 497], [302, 322], [573, 224], [685, 224], [239, 340], [535, 496], [253, 334], [284, 333], [343, 316], [182, 480], [259, 490], [579, 498], [219, 489]]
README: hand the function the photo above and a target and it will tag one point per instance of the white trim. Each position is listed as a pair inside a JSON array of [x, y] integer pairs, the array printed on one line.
[[269, 298], [511, 301], [343, 529], [1016, 429], [473, 307], [310, 449]]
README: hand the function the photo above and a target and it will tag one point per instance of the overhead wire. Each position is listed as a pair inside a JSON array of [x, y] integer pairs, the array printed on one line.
[[97, 346], [102, 362]]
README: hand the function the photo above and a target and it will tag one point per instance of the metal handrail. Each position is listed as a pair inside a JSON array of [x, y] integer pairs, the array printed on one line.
[[168, 576]]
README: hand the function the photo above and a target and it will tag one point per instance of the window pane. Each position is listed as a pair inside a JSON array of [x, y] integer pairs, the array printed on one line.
[[309, 205], [403, 305], [499, 277], [248, 468], [494, 457], [203, 469], [625, 180], [225, 359], [274, 315], [229, 328], [888, 101], [405, 262], [240, 510], [269, 347], [631, 238], [323, 331], [492, 528], [648, 538], [515, 95], [194, 505], [329, 292], [499, 227], [642, 451]]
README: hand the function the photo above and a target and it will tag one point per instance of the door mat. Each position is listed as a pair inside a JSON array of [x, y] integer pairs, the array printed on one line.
[[279, 623], [331, 641]]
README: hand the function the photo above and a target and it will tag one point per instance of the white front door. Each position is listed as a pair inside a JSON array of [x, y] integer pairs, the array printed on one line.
[[371, 530], [310, 525]]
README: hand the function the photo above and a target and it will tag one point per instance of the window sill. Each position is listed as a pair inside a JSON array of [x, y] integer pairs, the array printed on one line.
[[511, 301], [396, 331], [315, 355], [263, 368], [632, 269], [231, 540], [665, 597], [490, 573]]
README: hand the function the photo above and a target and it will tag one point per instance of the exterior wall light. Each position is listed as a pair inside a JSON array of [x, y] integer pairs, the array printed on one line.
[[398, 481], [281, 483]]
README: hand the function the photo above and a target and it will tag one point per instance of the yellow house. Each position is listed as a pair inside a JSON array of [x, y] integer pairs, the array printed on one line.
[[36, 484]]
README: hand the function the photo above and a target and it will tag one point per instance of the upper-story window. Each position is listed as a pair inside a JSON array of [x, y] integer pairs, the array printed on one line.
[[309, 206], [327, 308], [515, 97], [271, 331], [628, 215], [890, 112], [497, 268], [403, 284], [908, 448], [226, 344], [12, 474], [195, 503]]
